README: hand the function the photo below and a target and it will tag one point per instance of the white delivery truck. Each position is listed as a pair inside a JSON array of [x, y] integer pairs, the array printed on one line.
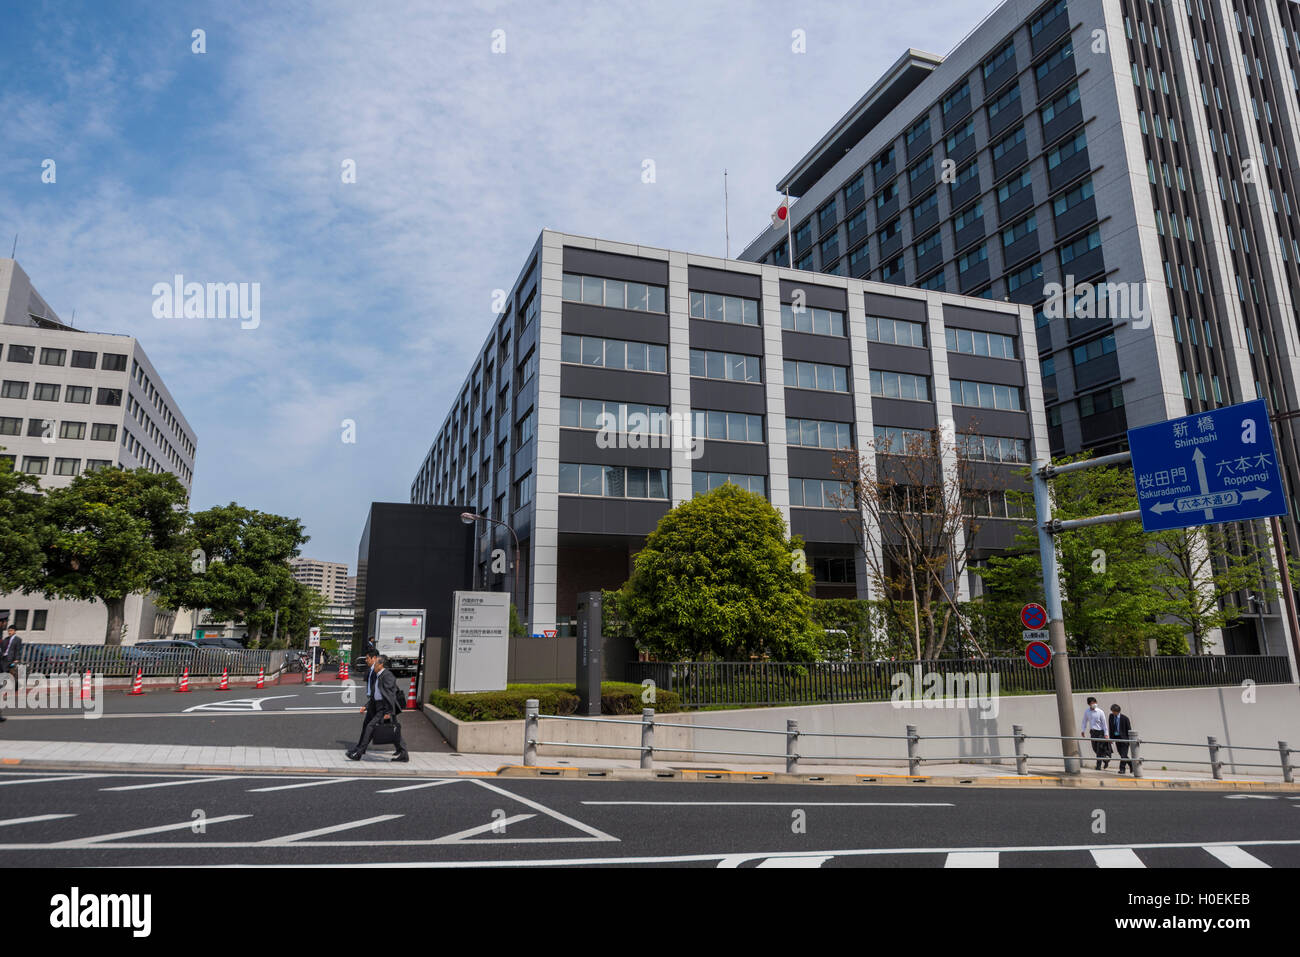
[[398, 634]]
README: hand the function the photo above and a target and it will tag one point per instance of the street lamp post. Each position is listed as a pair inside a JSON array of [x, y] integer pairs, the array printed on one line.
[[469, 518]]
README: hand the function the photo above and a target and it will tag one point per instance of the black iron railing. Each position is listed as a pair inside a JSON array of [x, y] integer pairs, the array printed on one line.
[[705, 683]]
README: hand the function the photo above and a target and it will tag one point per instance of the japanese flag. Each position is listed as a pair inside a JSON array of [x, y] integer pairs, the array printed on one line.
[[782, 213]]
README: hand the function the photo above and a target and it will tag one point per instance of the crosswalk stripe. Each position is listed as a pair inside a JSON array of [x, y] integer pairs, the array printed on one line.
[[61, 777], [1116, 857], [32, 820], [161, 829], [972, 859], [416, 787], [1234, 856], [305, 784], [498, 825], [172, 784], [793, 862], [332, 829]]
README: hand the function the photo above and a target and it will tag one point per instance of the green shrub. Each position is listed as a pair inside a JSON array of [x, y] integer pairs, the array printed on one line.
[[617, 697]]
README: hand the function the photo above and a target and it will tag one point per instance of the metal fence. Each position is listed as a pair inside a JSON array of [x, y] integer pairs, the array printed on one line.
[[705, 683], [970, 748], [113, 661]]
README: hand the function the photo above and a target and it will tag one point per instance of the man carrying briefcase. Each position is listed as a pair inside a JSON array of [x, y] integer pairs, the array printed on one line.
[[382, 727]]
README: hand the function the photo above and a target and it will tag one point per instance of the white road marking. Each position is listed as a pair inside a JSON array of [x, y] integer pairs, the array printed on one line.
[[98, 838], [1234, 856], [305, 784], [304, 835], [172, 784], [1117, 857], [585, 828], [327, 709], [416, 787], [972, 859], [1251, 797], [794, 861], [237, 705], [30, 820], [769, 803], [498, 825], [62, 777]]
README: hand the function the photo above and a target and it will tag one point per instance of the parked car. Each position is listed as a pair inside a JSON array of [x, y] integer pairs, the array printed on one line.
[[167, 646], [220, 644]]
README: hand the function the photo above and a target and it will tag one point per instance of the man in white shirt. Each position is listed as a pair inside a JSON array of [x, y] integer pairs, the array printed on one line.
[[1094, 726]]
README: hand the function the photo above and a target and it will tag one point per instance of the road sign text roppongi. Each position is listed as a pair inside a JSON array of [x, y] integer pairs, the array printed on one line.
[[1217, 466]]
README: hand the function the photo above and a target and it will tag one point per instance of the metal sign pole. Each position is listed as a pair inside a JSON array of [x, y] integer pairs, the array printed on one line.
[[1055, 619]]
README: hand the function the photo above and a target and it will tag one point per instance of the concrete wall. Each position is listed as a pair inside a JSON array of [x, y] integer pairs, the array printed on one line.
[[1185, 715]]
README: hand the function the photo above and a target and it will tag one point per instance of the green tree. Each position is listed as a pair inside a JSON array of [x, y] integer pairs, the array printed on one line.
[[302, 610], [719, 579], [21, 515], [110, 533], [1106, 571], [239, 567]]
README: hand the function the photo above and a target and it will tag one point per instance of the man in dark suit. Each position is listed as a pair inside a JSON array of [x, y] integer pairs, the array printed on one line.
[[384, 700], [1121, 732], [11, 650], [368, 710]]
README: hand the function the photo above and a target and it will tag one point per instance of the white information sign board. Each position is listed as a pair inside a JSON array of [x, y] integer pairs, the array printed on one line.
[[313, 637], [480, 632]]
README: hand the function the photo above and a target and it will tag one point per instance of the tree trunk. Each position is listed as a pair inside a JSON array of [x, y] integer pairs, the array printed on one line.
[[116, 616]]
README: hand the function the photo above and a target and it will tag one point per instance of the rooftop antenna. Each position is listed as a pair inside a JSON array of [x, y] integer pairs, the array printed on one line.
[[726, 213], [14, 252]]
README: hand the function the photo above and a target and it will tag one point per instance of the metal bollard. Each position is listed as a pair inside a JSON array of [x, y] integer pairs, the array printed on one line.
[[791, 747], [1135, 762], [1019, 732], [530, 732], [913, 749], [1287, 767], [647, 738], [1216, 765]]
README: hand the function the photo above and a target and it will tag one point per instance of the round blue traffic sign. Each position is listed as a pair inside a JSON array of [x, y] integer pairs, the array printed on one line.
[[1033, 616], [1038, 654]]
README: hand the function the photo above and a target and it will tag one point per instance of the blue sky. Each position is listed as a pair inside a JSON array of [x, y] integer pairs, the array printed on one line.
[[225, 167]]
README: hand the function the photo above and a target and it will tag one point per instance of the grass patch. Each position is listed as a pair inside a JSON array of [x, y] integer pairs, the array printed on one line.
[[616, 697]]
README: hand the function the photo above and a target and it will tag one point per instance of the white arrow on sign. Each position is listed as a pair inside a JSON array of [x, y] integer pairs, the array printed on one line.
[[1196, 503], [1255, 493], [1199, 458]]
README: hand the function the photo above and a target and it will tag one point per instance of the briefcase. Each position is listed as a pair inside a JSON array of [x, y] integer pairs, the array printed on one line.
[[385, 733]]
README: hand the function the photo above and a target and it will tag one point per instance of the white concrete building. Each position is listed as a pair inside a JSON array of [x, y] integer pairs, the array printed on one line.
[[72, 400]]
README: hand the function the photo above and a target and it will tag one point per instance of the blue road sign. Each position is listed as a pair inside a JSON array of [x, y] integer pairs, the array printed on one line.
[[1217, 466]]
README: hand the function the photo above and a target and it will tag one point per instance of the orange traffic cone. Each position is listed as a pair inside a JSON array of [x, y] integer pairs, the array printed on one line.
[[185, 680], [225, 681], [343, 671], [138, 686], [410, 697], [261, 678], [85, 687]]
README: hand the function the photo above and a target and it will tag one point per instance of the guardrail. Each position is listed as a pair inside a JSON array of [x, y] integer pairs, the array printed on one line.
[[124, 660], [704, 683], [792, 755]]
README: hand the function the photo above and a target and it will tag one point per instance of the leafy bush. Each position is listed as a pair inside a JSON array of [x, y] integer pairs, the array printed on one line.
[[616, 697]]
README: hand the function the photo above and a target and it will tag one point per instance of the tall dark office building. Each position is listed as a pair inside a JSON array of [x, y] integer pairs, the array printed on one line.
[[755, 373], [1146, 151]]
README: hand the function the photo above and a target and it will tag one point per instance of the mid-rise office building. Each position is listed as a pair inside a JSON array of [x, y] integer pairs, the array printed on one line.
[[72, 401], [1146, 150], [329, 578], [771, 369]]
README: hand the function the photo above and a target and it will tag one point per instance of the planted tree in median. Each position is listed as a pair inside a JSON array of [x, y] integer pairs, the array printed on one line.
[[720, 578], [110, 533]]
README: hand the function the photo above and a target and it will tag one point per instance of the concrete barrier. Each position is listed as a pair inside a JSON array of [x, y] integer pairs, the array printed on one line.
[[1256, 716]]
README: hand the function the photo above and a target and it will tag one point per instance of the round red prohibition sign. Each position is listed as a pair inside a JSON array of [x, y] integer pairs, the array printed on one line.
[[1033, 616], [1038, 654]]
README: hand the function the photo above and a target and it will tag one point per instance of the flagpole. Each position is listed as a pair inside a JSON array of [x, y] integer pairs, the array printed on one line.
[[726, 213], [789, 232]]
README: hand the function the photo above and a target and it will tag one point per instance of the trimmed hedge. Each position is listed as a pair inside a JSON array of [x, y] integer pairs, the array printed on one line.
[[616, 697]]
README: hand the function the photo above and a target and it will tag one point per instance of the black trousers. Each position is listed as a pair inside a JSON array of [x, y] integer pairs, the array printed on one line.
[[365, 720], [1101, 748], [1123, 756], [372, 722]]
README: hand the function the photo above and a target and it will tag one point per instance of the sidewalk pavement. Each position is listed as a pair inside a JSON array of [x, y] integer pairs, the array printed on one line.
[[175, 758]]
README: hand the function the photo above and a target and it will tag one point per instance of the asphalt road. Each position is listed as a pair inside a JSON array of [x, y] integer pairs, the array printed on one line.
[[322, 715], [92, 819]]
